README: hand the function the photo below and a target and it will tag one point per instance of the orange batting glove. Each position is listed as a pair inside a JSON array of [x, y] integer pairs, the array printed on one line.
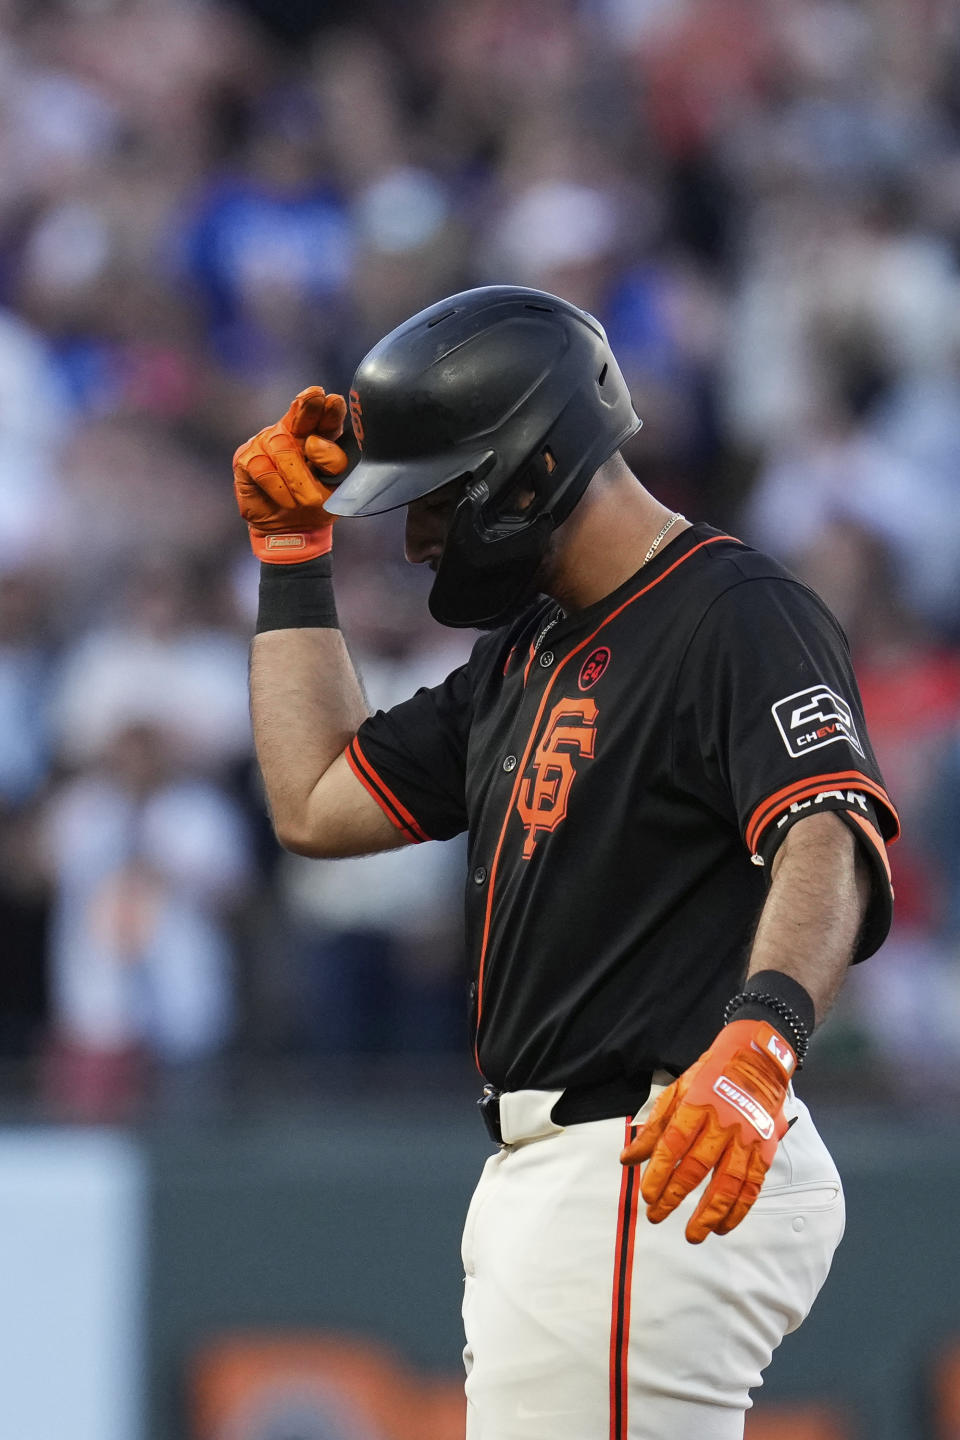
[[275, 479], [724, 1114]]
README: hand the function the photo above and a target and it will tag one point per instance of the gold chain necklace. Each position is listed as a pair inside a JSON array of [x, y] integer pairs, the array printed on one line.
[[653, 548]]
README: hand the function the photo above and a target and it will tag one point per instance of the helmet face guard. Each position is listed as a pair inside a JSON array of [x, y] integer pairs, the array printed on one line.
[[516, 392], [486, 570]]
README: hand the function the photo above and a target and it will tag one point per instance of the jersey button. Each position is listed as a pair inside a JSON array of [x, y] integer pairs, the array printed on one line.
[[510, 763], [480, 874], [546, 659]]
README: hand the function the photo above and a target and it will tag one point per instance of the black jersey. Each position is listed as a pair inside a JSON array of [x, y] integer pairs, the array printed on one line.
[[625, 775]]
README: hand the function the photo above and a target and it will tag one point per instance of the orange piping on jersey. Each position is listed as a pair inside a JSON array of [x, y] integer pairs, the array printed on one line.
[[768, 809], [875, 838], [521, 767], [622, 1277], [531, 657], [382, 793], [375, 795]]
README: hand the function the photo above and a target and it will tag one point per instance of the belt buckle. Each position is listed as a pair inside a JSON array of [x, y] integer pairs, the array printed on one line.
[[489, 1106]]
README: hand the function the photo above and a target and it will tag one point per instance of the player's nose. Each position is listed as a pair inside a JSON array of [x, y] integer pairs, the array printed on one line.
[[423, 536]]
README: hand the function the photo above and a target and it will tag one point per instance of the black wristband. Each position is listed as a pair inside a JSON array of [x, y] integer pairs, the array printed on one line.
[[297, 597], [782, 1002]]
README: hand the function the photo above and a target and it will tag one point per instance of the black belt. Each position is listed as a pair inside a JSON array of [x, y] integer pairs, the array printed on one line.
[[577, 1104]]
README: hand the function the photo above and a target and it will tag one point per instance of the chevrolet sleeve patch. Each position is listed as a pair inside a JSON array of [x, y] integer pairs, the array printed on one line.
[[815, 717]]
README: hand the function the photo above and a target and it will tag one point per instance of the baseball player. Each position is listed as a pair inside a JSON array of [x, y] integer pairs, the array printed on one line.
[[677, 844]]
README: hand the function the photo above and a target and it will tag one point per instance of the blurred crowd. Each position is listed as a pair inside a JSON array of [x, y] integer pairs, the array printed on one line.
[[204, 207]]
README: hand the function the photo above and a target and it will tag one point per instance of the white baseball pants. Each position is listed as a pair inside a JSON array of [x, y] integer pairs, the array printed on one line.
[[585, 1322]]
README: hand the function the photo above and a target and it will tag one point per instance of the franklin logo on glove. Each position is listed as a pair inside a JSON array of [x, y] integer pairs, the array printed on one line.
[[700, 1123]]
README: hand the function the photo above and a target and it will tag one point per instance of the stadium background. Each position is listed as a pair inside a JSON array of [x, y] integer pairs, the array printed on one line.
[[234, 1085]]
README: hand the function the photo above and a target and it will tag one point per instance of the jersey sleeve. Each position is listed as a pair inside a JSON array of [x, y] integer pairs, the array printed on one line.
[[770, 729], [412, 759]]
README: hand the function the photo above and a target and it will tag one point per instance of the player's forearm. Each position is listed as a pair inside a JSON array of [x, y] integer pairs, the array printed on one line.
[[814, 909], [307, 704]]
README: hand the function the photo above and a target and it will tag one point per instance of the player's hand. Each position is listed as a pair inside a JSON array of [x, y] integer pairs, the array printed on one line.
[[277, 479], [724, 1114]]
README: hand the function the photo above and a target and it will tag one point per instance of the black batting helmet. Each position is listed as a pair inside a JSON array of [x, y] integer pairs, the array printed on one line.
[[516, 392]]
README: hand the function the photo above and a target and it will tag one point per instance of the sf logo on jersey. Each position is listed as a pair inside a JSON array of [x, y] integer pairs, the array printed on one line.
[[543, 798]]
